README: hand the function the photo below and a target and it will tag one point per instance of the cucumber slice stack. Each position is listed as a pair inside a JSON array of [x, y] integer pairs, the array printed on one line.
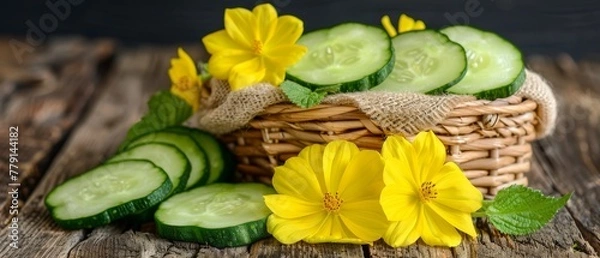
[[107, 193], [194, 153], [132, 183], [426, 62], [165, 156], [345, 58], [457, 60]]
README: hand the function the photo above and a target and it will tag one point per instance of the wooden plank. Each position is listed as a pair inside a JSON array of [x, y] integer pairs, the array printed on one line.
[[272, 248], [137, 75], [570, 158], [43, 98]]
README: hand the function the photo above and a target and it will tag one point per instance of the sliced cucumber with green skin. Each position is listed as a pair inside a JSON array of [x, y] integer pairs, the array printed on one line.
[[345, 58], [199, 171], [221, 215], [495, 66], [220, 159], [426, 62], [107, 193], [165, 156]]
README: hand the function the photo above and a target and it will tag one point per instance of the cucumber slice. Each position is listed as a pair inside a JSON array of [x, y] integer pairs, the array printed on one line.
[[495, 66], [221, 160], [347, 57], [221, 215], [426, 62], [165, 156], [107, 193], [199, 171]]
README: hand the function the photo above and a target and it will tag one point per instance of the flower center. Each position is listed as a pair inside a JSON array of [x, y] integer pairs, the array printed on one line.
[[257, 47], [428, 191], [185, 83], [332, 202]]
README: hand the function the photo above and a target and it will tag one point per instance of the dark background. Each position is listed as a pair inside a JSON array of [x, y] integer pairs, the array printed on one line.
[[537, 27]]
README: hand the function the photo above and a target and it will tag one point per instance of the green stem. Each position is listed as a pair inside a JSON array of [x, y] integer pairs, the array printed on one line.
[[478, 214], [481, 212]]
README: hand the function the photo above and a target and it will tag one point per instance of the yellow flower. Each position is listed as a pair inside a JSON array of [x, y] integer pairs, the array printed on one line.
[[254, 47], [184, 79], [423, 196], [328, 194], [405, 23]]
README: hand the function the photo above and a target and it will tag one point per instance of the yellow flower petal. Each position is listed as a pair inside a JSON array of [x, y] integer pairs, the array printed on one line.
[[296, 178], [362, 179], [266, 18], [183, 65], [436, 231], [396, 146], [289, 231], [365, 219], [219, 41], [285, 55], [398, 201], [330, 231], [287, 32], [221, 63], [402, 233], [458, 219], [274, 76], [431, 153], [185, 58], [387, 25], [245, 74], [334, 231], [314, 155], [191, 96], [289, 207], [405, 23], [336, 157], [239, 24], [455, 190], [419, 25]]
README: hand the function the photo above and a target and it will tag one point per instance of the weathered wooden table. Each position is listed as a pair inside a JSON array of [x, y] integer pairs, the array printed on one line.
[[74, 100]]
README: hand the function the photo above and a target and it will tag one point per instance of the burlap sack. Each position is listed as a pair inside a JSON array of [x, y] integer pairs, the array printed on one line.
[[406, 113]]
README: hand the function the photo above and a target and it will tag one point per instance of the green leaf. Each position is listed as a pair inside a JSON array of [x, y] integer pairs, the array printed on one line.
[[519, 210], [164, 110], [204, 74], [301, 95]]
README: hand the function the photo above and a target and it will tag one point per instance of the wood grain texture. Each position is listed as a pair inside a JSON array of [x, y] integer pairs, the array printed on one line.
[[570, 158], [272, 248], [120, 105], [45, 97]]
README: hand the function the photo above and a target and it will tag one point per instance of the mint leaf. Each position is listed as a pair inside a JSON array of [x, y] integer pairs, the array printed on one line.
[[301, 95], [164, 110], [519, 210]]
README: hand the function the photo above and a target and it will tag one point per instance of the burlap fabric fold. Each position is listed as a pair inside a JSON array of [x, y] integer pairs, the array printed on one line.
[[408, 113]]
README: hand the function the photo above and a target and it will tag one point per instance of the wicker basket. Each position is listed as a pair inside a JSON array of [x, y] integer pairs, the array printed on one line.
[[489, 140]]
